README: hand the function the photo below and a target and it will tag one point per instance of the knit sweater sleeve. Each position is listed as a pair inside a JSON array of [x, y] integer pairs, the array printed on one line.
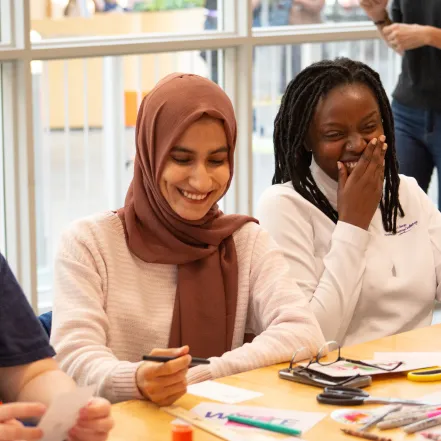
[[80, 324], [334, 292], [278, 313]]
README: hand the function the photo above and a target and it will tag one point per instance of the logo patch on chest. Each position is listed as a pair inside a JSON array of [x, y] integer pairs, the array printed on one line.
[[404, 228]]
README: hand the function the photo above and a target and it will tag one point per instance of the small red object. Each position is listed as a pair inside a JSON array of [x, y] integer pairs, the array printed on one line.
[[182, 432]]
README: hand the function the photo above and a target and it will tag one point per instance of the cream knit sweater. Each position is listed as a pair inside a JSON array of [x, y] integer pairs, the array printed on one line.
[[110, 308]]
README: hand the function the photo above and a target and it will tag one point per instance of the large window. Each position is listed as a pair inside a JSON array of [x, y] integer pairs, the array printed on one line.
[[55, 19], [73, 75]]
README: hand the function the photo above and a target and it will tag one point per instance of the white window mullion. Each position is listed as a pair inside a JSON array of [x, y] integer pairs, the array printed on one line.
[[7, 22], [19, 175], [114, 130], [238, 85], [19, 156]]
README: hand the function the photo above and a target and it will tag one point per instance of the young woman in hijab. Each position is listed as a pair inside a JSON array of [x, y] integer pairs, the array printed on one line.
[[170, 270]]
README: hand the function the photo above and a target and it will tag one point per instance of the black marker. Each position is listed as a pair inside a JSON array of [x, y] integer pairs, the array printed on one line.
[[194, 360]]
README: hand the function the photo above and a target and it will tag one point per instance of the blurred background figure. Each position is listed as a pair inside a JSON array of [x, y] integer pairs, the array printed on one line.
[[76, 8], [415, 32], [108, 6], [269, 13]]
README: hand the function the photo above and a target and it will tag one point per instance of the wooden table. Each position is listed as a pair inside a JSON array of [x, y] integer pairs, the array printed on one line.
[[141, 421]]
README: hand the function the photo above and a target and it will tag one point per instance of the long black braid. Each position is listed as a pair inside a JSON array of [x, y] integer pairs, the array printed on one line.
[[294, 118]]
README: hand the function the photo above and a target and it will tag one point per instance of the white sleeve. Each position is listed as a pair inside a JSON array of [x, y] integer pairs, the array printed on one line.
[[278, 313], [80, 324], [433, 216], [334, 293]]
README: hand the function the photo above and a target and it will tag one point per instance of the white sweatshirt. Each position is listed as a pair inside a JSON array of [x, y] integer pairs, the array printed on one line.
[[362, 285], [111, 308]]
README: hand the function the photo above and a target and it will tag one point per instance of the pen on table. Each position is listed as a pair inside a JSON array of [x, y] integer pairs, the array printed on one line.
[[195, 361], [422, 425], [432, 436], [406, 420], [380, 417], [407, 412], [365, 435], [263, 425]]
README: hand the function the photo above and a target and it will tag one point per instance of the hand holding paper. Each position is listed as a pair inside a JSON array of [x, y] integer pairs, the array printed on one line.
[[71, 415], [94, 422], [76, 416], [11, 428]]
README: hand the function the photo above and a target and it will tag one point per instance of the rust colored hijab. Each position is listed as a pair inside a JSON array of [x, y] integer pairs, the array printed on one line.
[[204, 251]]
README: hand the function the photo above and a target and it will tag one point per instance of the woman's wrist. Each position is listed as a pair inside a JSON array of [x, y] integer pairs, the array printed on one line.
[[381, 19]]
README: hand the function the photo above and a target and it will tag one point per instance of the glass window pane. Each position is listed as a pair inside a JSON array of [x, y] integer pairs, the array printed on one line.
[[269, 85], [84, 126], [290, 12], [82, 18]]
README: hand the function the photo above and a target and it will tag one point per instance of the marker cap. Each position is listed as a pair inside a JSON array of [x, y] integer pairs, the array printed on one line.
[[182, 432]]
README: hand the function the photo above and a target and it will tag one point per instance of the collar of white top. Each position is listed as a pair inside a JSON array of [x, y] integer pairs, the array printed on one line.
[[327, 185]]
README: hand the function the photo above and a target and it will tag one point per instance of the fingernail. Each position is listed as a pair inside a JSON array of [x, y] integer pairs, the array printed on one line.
[[339, 165], [384, 147], [382, 138], [374, 141]]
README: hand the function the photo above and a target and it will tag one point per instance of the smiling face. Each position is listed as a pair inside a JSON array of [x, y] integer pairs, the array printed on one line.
[[197, 170], [345, 120]]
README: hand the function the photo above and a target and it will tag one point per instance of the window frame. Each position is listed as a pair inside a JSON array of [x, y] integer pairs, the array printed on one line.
[[238, 39]]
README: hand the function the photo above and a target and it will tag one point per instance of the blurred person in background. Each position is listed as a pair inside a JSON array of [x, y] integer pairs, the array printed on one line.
[[414, 31], [108, 6], [73, 7], [279, 13], [306, 12]]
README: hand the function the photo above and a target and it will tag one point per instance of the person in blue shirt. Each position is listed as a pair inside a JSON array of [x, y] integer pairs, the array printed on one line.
[[29, 377]]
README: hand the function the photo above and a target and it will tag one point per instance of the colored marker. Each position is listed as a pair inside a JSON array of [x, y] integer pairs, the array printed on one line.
[[407, 412], [406, 420], [432, 436], [263, 425], [422, 425]]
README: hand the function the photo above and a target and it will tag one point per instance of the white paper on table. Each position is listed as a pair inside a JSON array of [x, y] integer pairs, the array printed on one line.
[[429, 358], [222, 392], [63, 413], [218, 413], [433, 398], [347, 369]]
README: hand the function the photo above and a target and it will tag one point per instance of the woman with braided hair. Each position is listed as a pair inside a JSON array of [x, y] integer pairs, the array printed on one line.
[[362, 241]]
